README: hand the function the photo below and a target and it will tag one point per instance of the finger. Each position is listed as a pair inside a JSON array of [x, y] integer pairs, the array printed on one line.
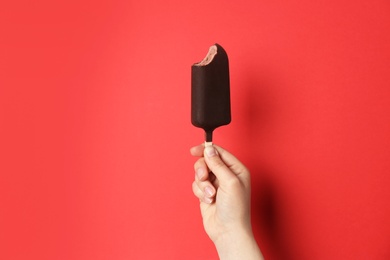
[[217, 165], [204, 179], [206, 187], [197, 150], [201, 169], [200, 194], [197, 192], [231, 161]]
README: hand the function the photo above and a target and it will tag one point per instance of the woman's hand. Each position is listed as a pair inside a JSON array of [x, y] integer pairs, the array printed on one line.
[[222, 184]]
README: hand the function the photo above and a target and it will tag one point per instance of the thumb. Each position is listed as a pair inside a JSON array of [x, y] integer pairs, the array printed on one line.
[[217, 165]]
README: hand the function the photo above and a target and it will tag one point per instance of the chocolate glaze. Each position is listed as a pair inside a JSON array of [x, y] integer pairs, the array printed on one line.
[[210, 91]]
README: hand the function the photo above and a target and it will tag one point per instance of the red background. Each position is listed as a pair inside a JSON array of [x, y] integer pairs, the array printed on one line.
[[95, 126]]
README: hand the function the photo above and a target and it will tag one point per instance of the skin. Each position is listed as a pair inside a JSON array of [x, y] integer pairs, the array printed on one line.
[[222, 185]]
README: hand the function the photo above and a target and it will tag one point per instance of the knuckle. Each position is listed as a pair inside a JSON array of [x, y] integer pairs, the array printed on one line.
[[194, 187], [199, 163], [233, 182], [195, 190]]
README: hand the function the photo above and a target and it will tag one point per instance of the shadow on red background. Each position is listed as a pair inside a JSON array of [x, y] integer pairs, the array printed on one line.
[[261, 112]]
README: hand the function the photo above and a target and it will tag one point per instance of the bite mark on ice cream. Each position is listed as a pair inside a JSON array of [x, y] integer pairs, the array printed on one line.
[[209, 57]]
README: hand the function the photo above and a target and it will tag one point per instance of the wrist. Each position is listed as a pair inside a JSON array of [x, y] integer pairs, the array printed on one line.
[[237, 245]]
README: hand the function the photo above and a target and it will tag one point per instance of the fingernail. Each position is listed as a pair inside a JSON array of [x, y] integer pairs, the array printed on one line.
[[210, 151], [209, 191], [208, 200]]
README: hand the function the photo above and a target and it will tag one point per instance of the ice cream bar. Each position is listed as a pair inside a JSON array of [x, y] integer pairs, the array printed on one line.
[[210, 91]]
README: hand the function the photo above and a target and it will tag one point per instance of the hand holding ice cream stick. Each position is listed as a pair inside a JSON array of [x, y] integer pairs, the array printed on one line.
[[222, 184]]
